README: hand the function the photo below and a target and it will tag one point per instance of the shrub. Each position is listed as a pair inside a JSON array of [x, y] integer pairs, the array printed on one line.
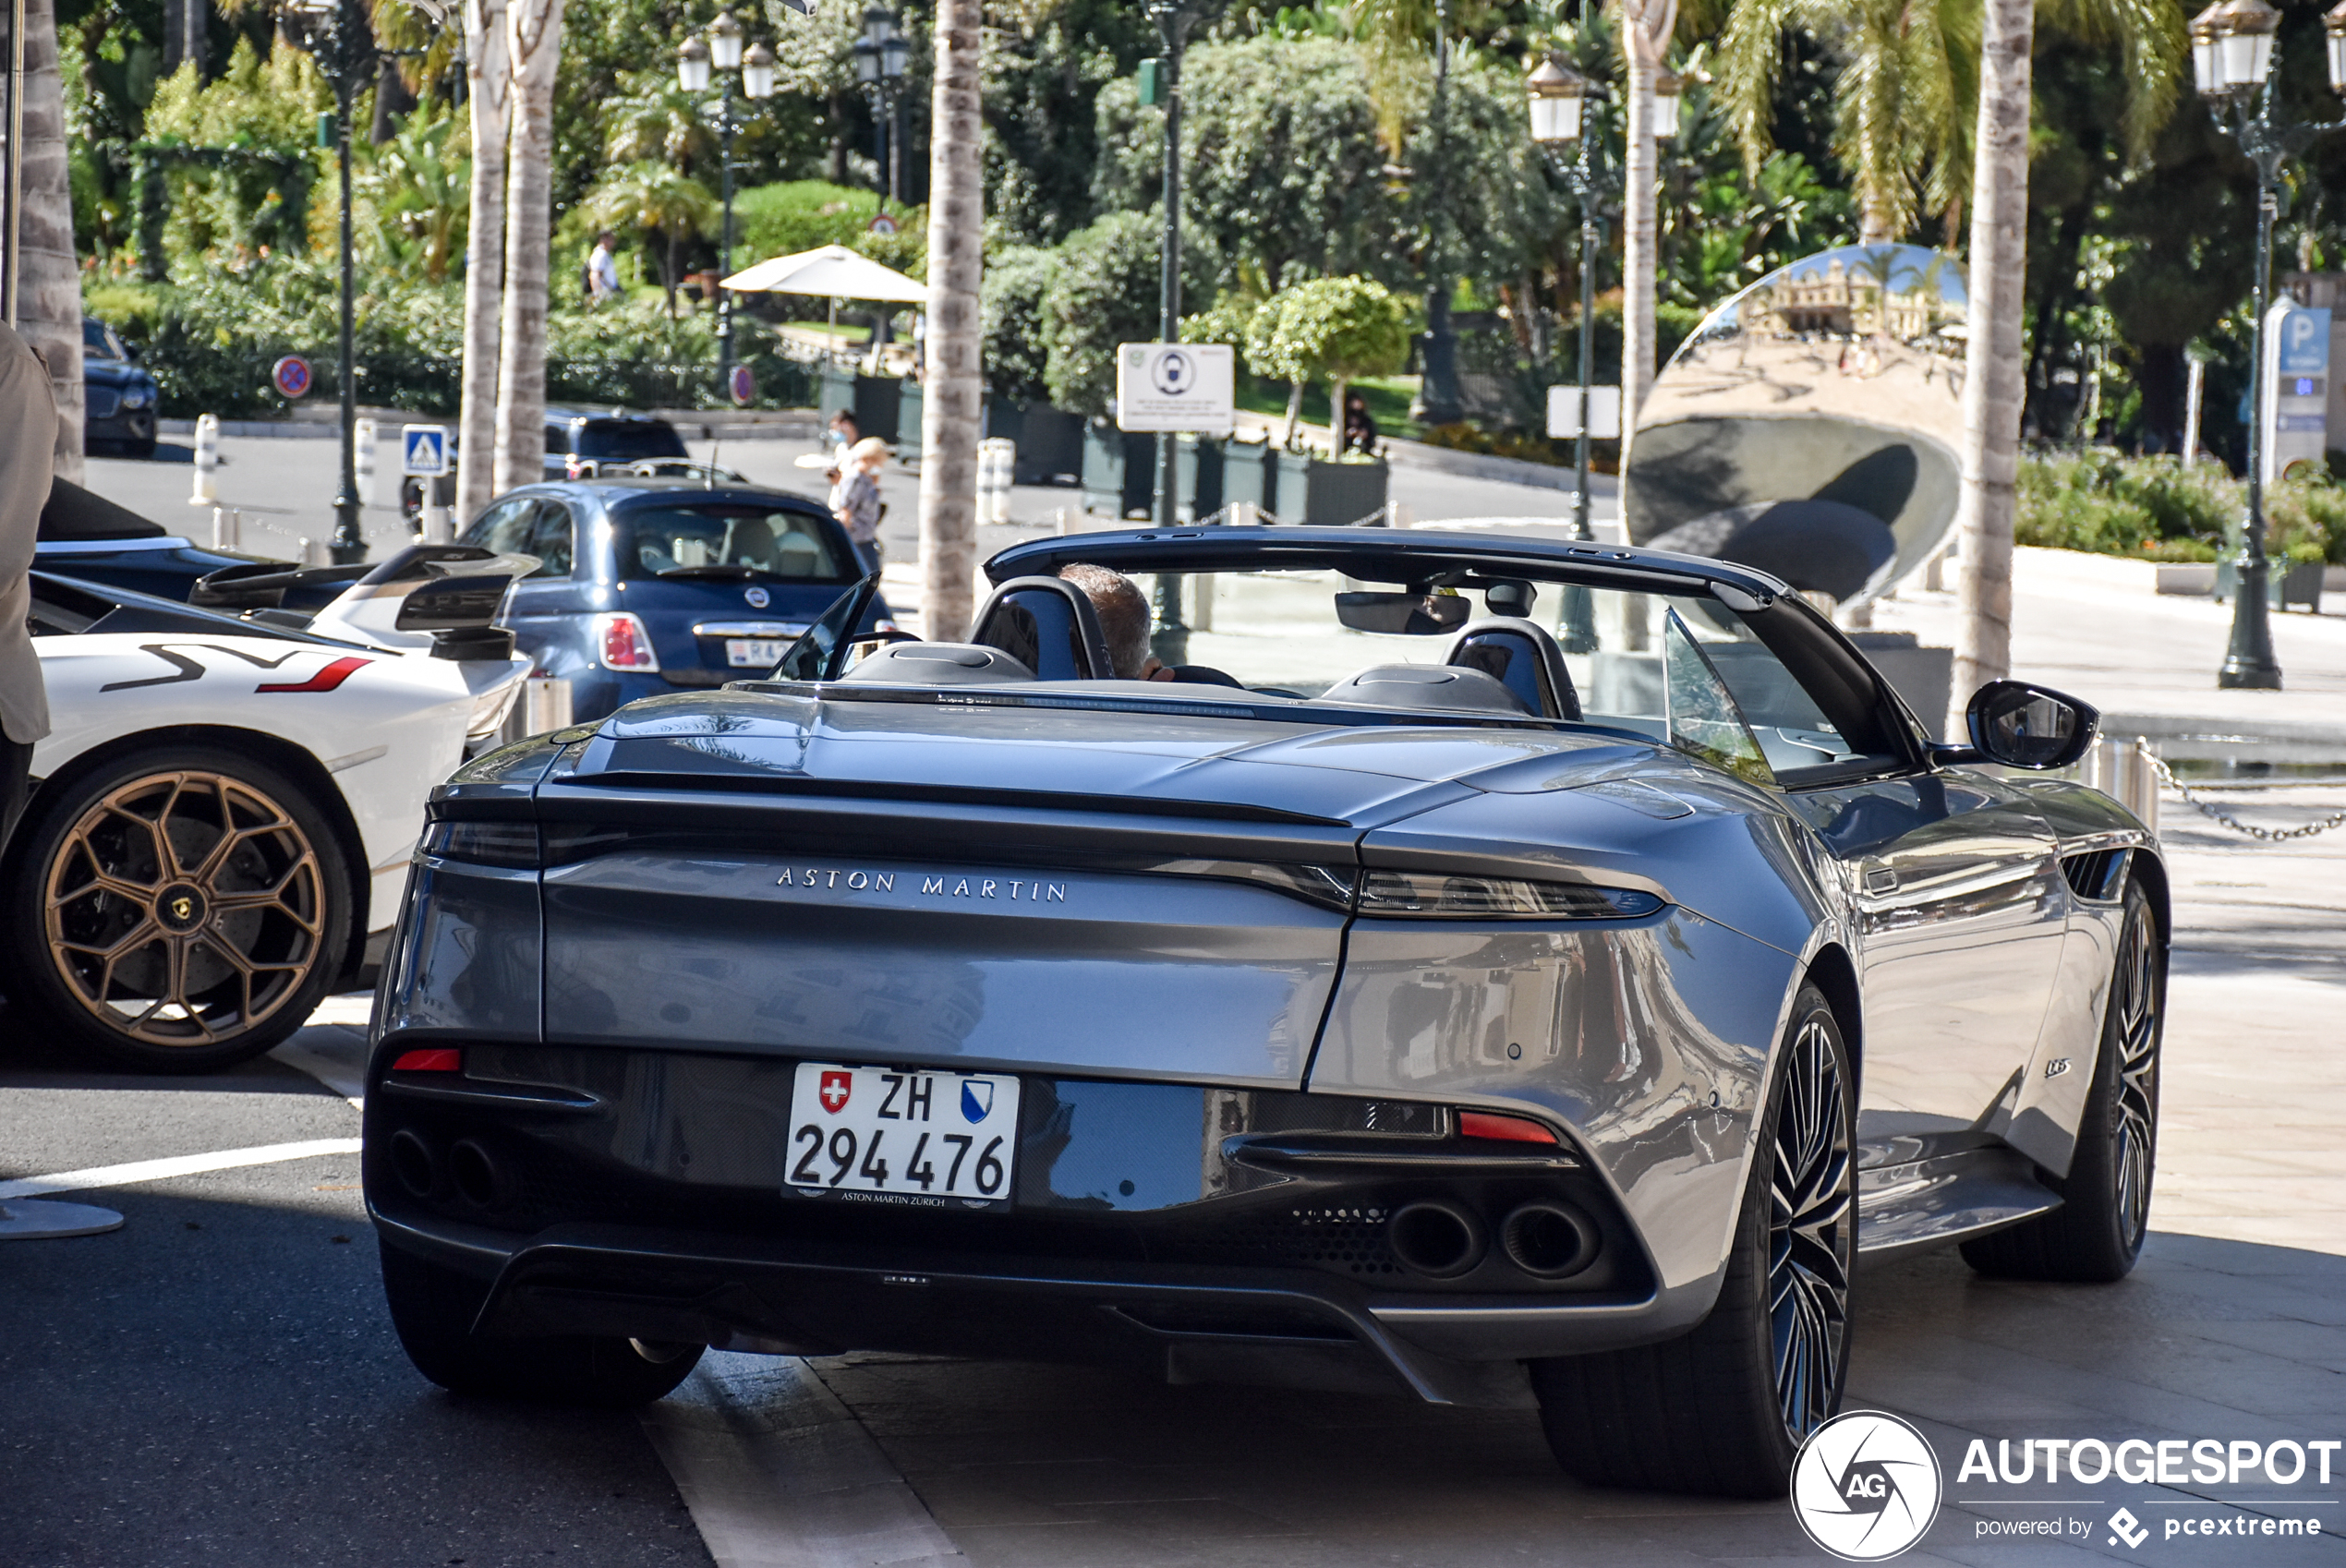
[[1103, 292], [796, 215], [1013, 351]]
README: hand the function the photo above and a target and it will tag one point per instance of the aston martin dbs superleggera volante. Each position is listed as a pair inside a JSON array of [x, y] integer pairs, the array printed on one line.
[[1496, 971]]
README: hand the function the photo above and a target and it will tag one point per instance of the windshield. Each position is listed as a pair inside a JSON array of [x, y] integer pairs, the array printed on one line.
[[1679, 668], [730, 538], [626, 440], [98, 342]]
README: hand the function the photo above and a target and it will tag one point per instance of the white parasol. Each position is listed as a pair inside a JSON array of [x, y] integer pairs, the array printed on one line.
[[832, 271]]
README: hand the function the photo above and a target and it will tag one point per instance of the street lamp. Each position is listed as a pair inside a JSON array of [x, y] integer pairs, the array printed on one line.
[[2233, 62], [1559, 108], [341, 38], [1438, 401], [755, 69], [880, 57]]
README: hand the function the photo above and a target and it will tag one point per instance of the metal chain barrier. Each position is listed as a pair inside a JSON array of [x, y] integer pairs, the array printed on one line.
[[2267, 835]]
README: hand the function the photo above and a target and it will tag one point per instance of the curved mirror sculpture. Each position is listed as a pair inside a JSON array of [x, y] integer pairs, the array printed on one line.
[[1809, 427]]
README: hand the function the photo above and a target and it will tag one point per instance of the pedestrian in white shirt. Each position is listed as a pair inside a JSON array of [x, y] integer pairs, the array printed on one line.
[[602, 267], [855, 500]]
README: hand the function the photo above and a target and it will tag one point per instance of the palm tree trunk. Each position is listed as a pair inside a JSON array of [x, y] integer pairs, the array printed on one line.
[[489, 96], [1639, 170], [49, 276], [534, 38], [950, 402], [1648, 25], [1993, 379]]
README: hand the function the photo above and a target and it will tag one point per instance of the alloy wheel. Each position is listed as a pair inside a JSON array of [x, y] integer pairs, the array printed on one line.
[[2136, 1037], [184, 908], [1811, 1232]]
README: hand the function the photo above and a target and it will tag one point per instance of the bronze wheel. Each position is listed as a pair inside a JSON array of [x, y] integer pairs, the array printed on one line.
[[188, 910]]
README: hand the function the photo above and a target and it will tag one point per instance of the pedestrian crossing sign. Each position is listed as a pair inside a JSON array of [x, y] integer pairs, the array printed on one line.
[[424, 451]]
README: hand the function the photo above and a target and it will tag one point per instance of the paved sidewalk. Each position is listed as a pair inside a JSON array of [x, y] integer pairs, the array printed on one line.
[[2094, 626]]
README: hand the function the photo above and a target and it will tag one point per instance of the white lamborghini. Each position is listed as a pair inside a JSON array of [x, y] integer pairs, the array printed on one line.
[[223, 812]]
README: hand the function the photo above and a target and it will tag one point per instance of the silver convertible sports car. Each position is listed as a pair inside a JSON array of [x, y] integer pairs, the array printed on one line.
[[1495, 971]]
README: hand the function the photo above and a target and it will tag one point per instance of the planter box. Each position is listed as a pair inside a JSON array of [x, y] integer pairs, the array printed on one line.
[[1050, 440], [2286, 582], [1320, 494], [1250, 475], [1197, 477], [1119, 470], [908, 421], [872, 399]]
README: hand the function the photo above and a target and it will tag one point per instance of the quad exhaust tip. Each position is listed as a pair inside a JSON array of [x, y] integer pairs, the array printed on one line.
[[1436, 1237], [1549, 1241], [414, 1163]]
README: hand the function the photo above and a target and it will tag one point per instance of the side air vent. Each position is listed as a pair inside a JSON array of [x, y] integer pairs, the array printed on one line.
[[2098, 875]]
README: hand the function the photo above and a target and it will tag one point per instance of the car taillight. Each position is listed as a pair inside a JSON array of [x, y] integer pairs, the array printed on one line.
[[1432, 896], [622, 644], [442, 1059], [1508, 1129], [484, 843]]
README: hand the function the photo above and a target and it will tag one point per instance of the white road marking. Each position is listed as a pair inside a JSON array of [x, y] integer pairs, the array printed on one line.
[[177, 1165], [779, 1474]]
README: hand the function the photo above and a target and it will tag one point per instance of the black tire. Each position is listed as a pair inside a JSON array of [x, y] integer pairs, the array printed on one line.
[[1723, 1409], [433, 1308], [188, 960], [2096, 1232]]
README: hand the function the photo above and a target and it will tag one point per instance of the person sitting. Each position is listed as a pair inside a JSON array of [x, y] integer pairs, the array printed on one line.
[[1360, 428], [1124, 627]]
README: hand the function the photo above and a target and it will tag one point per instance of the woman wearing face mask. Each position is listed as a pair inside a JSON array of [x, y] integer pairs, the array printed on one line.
[[855, 499]]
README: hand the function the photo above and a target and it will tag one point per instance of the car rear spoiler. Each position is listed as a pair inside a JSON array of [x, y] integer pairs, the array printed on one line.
[[446, 597]]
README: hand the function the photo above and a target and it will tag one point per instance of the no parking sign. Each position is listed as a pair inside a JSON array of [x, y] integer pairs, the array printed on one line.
[[290, 375]]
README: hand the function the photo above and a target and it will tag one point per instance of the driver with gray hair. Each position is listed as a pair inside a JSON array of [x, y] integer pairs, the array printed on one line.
[[1124, 626]]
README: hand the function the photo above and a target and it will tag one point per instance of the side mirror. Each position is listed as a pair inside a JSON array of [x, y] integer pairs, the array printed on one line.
[[2021, 725]]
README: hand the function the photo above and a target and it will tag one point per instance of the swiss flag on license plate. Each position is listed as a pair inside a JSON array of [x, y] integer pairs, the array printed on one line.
[[834, 1090]]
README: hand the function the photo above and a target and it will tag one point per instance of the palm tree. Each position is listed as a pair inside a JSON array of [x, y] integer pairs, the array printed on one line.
[[1993, 379], [48, 273], [950, 403], [1645, 38], [1907, 81], [534, 37], [659, 202], [662, 123], [488, 98]]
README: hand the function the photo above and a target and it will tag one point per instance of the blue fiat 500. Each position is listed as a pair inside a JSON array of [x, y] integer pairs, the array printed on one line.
[[649, 585]]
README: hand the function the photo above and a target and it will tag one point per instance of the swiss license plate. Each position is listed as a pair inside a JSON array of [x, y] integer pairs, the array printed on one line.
[[758, 653], [890, 1137]]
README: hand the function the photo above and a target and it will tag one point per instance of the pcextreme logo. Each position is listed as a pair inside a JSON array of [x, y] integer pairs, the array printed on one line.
[[1866, 1485]]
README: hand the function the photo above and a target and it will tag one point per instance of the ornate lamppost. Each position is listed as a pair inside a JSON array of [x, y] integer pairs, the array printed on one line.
[[339, 36], [880, 57], [754, 70], [2232, 60]]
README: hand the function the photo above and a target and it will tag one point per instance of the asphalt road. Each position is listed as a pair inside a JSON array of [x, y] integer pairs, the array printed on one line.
[[216, 1384], [284, 490]]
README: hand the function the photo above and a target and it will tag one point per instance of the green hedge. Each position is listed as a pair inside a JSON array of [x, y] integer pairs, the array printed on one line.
[[2156, 509]]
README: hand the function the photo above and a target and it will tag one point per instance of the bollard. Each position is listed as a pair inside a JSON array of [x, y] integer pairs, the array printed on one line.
[[543, 705], [436, 527], [1244, 514], [2122, 770], [313, 552], [207, 460], [227, 528], [1401, 515], [363, 444], [997, 461]]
